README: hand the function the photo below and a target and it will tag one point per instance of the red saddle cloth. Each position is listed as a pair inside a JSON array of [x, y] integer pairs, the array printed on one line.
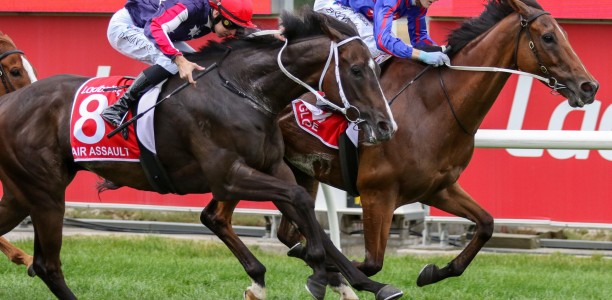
[[325, 126], [87, 128]]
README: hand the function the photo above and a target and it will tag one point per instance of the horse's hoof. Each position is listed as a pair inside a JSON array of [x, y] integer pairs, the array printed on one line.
[[31, 271], [389, 292], [296, 251], [427, 274], [248, 295], [315, 289]]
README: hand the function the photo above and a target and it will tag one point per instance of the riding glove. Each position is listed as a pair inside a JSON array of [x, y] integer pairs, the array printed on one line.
[[434, 58]]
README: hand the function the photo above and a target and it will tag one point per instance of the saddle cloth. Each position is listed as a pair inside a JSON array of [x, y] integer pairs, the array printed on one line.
[[88, 130], [325, 126]]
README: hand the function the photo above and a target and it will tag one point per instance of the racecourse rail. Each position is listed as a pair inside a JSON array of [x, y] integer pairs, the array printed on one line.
[[485, 138]]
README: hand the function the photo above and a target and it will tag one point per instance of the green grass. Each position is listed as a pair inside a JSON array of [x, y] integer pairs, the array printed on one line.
[[162, 268]]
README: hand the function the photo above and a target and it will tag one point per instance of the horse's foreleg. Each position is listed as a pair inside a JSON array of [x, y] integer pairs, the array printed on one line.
[[456, 201], [48, 222], [294, 203], [377, 210], [217, 216], [291, 237]]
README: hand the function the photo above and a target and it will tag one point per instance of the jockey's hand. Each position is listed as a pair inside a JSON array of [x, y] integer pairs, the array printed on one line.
[[186, 68], [279, 36], [433, 58]]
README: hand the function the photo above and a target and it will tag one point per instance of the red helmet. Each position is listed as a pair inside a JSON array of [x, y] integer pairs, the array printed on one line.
[[240, 12]]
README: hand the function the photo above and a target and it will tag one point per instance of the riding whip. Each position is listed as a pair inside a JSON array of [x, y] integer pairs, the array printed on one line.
[[178, 89]]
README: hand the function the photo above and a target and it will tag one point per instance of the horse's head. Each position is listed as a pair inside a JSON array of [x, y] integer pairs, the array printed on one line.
[[15, 71], [544, 49], [350, 80]]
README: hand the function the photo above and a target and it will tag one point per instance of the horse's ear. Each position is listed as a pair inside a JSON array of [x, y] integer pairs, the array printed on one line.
[[325, 22], [520, 7]]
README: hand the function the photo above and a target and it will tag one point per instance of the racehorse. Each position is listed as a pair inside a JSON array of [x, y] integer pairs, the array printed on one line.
[[15, 70], [15, 73], [438, 115], [220, 136]]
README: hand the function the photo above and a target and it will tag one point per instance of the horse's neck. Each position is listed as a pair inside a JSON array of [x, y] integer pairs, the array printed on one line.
[[494, 48], [307, 68]]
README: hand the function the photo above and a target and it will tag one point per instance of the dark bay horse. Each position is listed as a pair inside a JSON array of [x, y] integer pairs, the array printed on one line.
[[438, 116], [15, 73], [220, 136]]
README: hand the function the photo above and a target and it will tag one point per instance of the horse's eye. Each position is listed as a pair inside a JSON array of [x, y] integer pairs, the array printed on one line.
[[15, 72], [548, 38], [356, 70]]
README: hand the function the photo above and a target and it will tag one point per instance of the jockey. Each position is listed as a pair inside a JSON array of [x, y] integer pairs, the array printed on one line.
[[374, 18], [155, 32]]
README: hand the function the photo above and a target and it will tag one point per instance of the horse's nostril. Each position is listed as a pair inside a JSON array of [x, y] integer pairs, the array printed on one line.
[[385, 128], [589, 87]]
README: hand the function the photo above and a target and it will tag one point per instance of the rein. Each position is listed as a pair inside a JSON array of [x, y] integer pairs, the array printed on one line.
[[6, 82], [234, 89], [333, 52], [552, 82]]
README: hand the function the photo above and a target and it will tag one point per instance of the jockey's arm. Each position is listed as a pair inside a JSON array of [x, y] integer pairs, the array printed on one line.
[[168, 21], [383, 25]]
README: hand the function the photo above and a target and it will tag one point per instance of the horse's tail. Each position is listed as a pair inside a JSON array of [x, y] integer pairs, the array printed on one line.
[[106, 185]]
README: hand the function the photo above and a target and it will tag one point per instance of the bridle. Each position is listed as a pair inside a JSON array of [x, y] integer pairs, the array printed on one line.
[[552, 81], [6, 82], [348, 110]]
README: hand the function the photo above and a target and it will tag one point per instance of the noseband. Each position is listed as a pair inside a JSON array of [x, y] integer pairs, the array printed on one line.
[[8, 85], [333, 52], [552, 81]]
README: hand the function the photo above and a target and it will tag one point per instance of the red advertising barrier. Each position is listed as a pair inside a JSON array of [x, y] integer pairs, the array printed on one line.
[[559, 185]]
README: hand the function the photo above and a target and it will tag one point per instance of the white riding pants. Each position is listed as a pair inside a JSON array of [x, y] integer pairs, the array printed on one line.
[[131, 41], [364, 26]]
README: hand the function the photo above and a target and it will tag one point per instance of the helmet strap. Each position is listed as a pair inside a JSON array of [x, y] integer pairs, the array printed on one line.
[[215, 20]]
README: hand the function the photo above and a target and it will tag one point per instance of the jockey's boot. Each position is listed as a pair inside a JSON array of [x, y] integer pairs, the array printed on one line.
[[149, 77], [115, 113]]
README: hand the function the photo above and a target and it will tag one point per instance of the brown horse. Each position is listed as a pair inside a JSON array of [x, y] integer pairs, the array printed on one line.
[[15, 73], [15, 70], [438, 116], [220, 136]]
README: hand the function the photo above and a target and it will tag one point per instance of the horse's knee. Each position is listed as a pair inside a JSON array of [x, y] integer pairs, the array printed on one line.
[[486, 227], [301, 199]]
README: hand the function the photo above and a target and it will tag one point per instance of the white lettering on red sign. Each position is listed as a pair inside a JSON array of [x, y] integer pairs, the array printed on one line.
[[557, 119]]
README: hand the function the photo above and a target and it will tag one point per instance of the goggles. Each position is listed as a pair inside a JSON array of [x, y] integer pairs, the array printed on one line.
[[229, 25]]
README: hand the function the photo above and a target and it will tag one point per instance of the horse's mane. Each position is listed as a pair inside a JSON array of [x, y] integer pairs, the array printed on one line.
[[304, 23], [494, 12]]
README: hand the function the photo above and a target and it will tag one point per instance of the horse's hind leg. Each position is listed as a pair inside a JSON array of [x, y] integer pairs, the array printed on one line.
[[456, 201], [218, 218], [14, 254]]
